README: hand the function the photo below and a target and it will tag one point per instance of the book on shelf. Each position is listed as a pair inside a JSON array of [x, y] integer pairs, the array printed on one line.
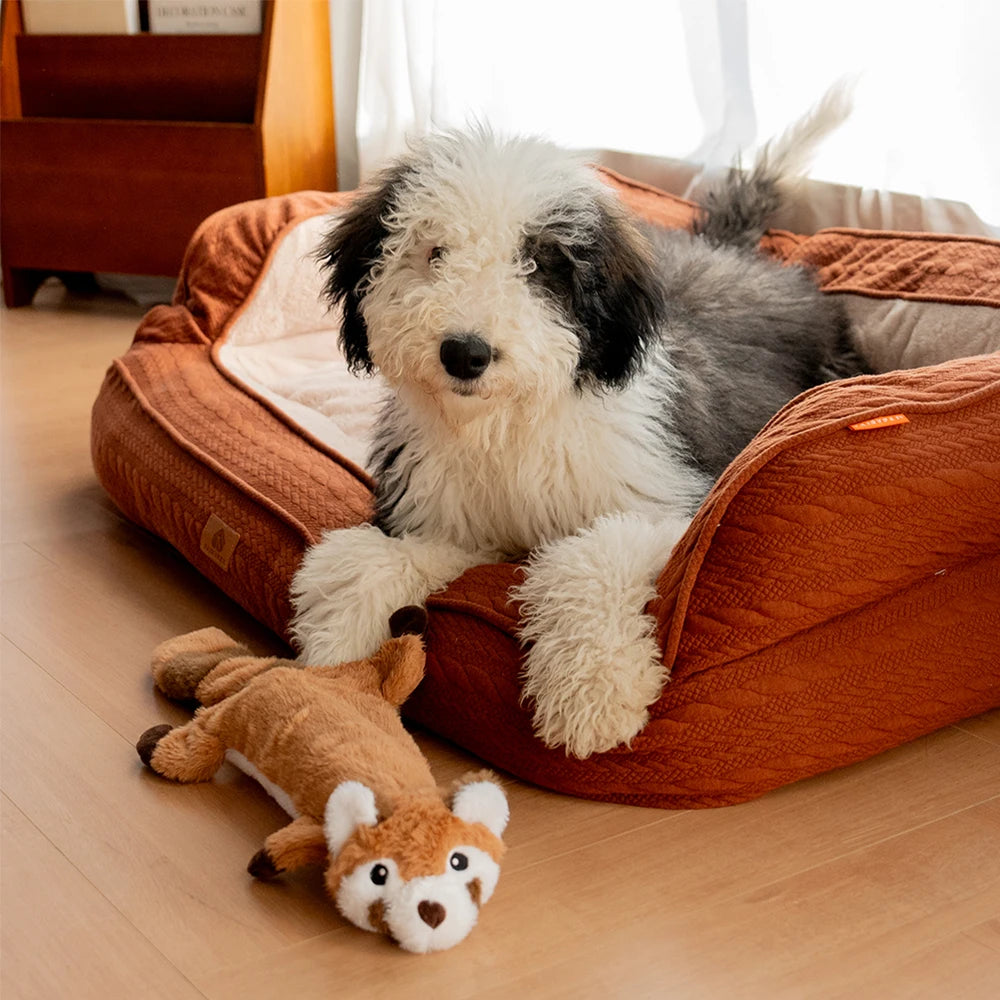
[[80, 17], [205, 17]]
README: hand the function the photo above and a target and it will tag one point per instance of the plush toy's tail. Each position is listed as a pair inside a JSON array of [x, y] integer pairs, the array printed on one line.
[[181, 664], [207, 666]]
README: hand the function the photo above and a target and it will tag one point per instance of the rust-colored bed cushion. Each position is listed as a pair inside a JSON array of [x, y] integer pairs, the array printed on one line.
[[837, 594]]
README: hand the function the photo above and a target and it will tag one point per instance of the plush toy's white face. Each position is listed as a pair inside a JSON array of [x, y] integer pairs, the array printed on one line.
[[425, 913], [421, 875]]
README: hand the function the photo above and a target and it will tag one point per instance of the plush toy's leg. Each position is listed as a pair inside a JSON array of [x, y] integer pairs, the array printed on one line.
[[234, 674], [297, 845], [353, 579], [180, 664], [186, 753]]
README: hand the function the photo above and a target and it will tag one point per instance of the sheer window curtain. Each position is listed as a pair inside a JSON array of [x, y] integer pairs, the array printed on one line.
[[667, 89]]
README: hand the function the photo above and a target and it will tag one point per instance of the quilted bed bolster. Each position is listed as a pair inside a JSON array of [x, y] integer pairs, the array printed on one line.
[[170, 325], [814, 521], [195, 459], [229, 252], [929, 267], [651, 203], [154, 482]]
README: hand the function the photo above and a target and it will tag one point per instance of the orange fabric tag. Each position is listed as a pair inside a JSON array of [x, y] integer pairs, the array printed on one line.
[[218, 541], [887, 421]]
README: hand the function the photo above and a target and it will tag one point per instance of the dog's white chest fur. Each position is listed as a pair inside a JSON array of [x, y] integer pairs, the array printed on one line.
[[504, 483]]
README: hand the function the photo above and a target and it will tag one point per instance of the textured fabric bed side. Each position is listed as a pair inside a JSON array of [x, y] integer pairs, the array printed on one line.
[[188, 456], [929, 267], [814, 520], [963, 272]]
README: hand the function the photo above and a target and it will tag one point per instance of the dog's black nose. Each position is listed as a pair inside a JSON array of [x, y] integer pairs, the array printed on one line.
[[465, 355]]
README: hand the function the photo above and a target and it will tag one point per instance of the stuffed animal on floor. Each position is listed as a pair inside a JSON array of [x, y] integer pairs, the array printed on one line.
[[327, 742]]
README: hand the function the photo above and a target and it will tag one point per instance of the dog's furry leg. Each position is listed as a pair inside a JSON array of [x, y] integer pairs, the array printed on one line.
[[353, 579], [594, 665]]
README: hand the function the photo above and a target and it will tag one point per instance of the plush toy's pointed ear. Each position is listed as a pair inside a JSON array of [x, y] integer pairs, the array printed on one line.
[[482, 802], [350, 805]]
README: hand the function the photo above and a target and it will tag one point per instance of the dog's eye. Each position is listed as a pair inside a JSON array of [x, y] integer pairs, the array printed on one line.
[[379, 874], [458, 861], [435, 253], [548, 259]]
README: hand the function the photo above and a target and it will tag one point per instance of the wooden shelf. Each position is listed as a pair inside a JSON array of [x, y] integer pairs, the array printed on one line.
[[131, 203], [114, 148], [163, 77]]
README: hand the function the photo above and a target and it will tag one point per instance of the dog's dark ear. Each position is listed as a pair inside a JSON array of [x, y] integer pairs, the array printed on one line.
[[348, 253], [617, 301], [607, 285]]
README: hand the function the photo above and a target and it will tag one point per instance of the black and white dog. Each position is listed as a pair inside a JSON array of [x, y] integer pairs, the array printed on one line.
[[563, 383]]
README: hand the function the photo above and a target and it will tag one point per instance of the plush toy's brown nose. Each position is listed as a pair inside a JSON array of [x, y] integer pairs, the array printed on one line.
[[432, 914]]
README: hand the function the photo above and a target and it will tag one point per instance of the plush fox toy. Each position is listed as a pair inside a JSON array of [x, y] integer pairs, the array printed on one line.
[[328, 744]]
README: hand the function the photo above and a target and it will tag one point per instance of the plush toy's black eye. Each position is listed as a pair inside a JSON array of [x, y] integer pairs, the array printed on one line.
[[380, 874], [458, 861]]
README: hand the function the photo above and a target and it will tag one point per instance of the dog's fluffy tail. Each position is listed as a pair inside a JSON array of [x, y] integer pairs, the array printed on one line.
[[736, 211]]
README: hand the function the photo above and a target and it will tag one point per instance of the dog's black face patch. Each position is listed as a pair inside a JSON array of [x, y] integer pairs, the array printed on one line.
[[603, 281], [349, 252]]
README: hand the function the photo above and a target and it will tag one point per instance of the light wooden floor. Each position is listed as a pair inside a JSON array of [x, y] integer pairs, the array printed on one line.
[[879, 881]]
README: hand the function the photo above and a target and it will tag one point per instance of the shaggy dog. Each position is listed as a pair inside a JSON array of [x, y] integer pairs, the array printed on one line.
[[564, 383]]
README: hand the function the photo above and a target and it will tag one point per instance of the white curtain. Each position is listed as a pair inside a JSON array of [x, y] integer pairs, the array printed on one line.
[[689, 80]]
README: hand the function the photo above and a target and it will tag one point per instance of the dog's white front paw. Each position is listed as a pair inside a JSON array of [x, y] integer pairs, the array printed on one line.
[[594, 665], [587, 713], [339, 628], [353, 579], [338, 617]]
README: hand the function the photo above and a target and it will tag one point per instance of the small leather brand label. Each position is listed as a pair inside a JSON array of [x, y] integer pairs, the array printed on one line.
[[890, 420], [219, 541]]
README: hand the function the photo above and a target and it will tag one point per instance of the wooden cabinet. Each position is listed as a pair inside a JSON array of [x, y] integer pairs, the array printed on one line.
[[113, 148]]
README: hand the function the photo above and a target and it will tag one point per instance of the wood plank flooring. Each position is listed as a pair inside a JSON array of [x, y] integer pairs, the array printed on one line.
[[877, 881]]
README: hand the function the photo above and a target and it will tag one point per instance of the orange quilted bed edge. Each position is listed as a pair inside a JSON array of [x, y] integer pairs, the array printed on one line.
[[837, 594]]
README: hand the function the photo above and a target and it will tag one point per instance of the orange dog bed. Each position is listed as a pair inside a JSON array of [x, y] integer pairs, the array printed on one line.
[[837, 594]]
